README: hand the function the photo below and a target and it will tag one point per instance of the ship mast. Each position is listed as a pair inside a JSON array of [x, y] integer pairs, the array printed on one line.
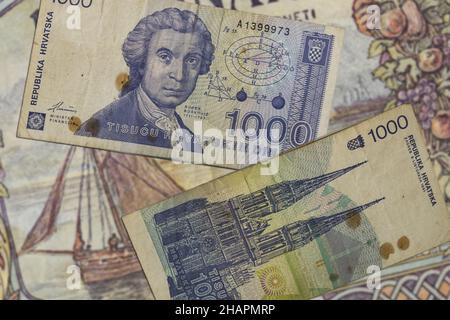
[[79, 243], [116, 215]]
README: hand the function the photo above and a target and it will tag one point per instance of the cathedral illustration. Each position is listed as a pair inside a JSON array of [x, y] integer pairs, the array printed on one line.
[[212, 248]]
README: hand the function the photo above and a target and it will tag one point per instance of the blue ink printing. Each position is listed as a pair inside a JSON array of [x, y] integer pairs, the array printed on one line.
[[36, 121], [317, 49]]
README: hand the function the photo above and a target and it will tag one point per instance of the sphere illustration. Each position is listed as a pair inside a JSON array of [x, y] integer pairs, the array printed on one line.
[[258, 61]]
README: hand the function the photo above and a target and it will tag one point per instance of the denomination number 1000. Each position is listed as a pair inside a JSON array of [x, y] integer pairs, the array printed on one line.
[[300, 132], [84, 3], [391, 127]]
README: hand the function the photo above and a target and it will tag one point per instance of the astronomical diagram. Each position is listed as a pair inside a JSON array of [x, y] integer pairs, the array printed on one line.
[[217, 89], [255, 62], [258, 61]]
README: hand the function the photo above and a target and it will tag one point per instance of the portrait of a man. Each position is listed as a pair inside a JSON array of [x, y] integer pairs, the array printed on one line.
[[166, 53]]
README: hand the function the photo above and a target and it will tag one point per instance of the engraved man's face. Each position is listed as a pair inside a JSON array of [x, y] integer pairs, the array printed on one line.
[[172, 67]]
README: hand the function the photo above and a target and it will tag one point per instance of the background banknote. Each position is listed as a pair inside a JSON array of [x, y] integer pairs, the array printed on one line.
[[361, 93], [425, 279], [42, 263], [244, 72], [5, 252], [337, 207]]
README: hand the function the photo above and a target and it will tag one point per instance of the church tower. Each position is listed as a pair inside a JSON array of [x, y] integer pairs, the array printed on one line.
[[281, 196], [298, 234]]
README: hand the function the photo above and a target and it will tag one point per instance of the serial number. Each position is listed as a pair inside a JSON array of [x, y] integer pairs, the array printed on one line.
[[83, 3], [264, 27]]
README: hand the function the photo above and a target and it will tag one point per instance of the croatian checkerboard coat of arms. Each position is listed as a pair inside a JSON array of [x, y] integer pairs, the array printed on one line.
[[315, 51]]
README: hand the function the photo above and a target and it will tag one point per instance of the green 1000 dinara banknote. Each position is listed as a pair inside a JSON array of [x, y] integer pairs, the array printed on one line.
[[363, 197], [181, 68]]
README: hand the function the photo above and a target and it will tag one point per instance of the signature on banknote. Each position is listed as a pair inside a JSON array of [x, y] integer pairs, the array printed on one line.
[[60, 107]]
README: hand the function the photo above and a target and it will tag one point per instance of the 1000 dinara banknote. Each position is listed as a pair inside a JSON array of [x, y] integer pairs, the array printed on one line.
[[336, 207], [184, 64]]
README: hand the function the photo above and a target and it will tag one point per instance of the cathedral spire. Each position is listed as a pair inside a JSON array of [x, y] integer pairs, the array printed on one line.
[[301, 188], [320, 225], [285, 194], [298, 234]]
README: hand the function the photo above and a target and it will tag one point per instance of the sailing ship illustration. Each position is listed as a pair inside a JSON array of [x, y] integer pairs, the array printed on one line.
[[5, 250], [9, 265], [109, 186]]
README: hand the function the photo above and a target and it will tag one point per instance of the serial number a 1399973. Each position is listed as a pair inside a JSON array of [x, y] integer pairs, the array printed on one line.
[[263, 27]]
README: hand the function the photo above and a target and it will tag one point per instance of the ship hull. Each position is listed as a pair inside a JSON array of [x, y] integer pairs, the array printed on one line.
[[104, 265]]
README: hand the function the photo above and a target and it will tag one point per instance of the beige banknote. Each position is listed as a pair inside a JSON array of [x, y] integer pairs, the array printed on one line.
[[366, 196], [188, 70]]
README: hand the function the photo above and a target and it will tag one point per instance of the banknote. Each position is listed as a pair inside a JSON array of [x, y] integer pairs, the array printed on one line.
[[41, 193], [44, 273], [188, 71], [5, 254], [426, 279], [335, 208], [362, 91]]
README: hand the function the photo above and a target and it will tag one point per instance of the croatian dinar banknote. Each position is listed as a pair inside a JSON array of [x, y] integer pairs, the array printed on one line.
[[184, 69], [336, 207]]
